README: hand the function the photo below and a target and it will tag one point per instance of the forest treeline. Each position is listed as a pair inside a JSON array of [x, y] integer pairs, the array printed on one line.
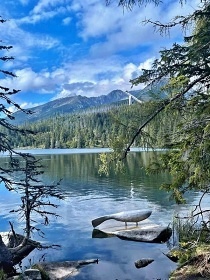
[[99, 129]]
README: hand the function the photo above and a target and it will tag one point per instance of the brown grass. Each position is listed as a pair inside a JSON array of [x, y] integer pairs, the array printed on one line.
[[198, 268]]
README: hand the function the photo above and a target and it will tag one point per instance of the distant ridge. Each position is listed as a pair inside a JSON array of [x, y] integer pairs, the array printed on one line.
[[78, 103], [68, 105]]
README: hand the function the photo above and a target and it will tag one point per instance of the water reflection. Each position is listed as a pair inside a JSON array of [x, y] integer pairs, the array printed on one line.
[[90, 196], [80, 174]]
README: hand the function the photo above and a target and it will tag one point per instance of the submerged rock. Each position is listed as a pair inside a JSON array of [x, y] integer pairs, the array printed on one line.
[[143, 262], [62, 270]]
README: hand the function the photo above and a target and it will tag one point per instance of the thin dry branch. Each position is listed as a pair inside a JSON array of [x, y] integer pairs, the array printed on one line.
[[129, 4]]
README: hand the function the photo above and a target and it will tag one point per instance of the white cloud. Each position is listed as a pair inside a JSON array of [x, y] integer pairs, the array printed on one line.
[[26, 45], [34, 18], [84, 77], [147, 64], [67, 20], [99, 20], [129, 69], [24, 2], [45, 10], [121, 30], [24, 105], [98, 77], [28, 80], [116, 46], [16, 36], [44, 5]]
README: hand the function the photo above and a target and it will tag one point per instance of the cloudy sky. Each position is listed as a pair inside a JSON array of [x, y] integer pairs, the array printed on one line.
[[64, 47]]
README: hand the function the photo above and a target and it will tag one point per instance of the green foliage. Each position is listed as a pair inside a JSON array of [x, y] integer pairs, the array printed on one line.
[[110, 161], [187, 66], [99, 129], [3, 276], [44, 274], [190, 234]]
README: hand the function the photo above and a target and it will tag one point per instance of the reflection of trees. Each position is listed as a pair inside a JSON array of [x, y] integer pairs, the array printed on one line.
[[80, 175], [72, 166]]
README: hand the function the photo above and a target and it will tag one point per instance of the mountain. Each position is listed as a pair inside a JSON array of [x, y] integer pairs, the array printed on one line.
[[68, 105], [77, 103]]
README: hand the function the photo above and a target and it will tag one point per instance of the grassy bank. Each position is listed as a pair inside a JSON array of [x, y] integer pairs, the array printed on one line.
[[193, 251], [197, 267]]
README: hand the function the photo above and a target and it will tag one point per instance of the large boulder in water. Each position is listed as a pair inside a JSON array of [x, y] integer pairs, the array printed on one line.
[[143, 233], [156, 234]]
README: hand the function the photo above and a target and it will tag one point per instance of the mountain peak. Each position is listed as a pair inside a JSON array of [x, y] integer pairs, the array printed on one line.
[[66, 105]]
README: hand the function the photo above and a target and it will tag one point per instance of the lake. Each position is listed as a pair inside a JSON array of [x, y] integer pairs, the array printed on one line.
[[89, 196]]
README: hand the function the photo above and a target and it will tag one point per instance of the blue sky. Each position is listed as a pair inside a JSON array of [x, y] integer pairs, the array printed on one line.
[[64, 47]]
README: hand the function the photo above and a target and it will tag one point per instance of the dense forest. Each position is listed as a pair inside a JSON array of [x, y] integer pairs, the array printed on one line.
[[99, 128]]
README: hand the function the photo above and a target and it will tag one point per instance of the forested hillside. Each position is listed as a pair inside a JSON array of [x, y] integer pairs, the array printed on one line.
[[99, 128]]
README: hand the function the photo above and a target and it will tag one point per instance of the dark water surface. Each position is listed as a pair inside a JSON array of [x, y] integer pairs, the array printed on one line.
[[89, 196]]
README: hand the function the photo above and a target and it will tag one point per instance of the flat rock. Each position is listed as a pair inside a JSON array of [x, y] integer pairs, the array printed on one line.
[[156, 234], [144, 232]]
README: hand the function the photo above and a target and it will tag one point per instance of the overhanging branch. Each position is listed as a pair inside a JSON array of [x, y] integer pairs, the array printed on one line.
[[166, 102]]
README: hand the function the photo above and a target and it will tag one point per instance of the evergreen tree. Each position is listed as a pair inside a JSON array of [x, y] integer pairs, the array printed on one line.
[[15, 176], [7, 116], [186, 67]]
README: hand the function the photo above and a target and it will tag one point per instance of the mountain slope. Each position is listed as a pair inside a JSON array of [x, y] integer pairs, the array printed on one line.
[[68, 105], [79, 103]]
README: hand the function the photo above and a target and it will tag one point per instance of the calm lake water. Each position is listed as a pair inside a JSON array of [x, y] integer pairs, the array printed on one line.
[[90, 195]]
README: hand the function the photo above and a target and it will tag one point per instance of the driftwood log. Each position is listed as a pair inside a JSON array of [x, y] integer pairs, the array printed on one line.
[[6, 258], [13, 249]]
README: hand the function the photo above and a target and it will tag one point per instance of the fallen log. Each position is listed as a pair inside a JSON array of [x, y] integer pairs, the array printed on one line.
[[14, 247]]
